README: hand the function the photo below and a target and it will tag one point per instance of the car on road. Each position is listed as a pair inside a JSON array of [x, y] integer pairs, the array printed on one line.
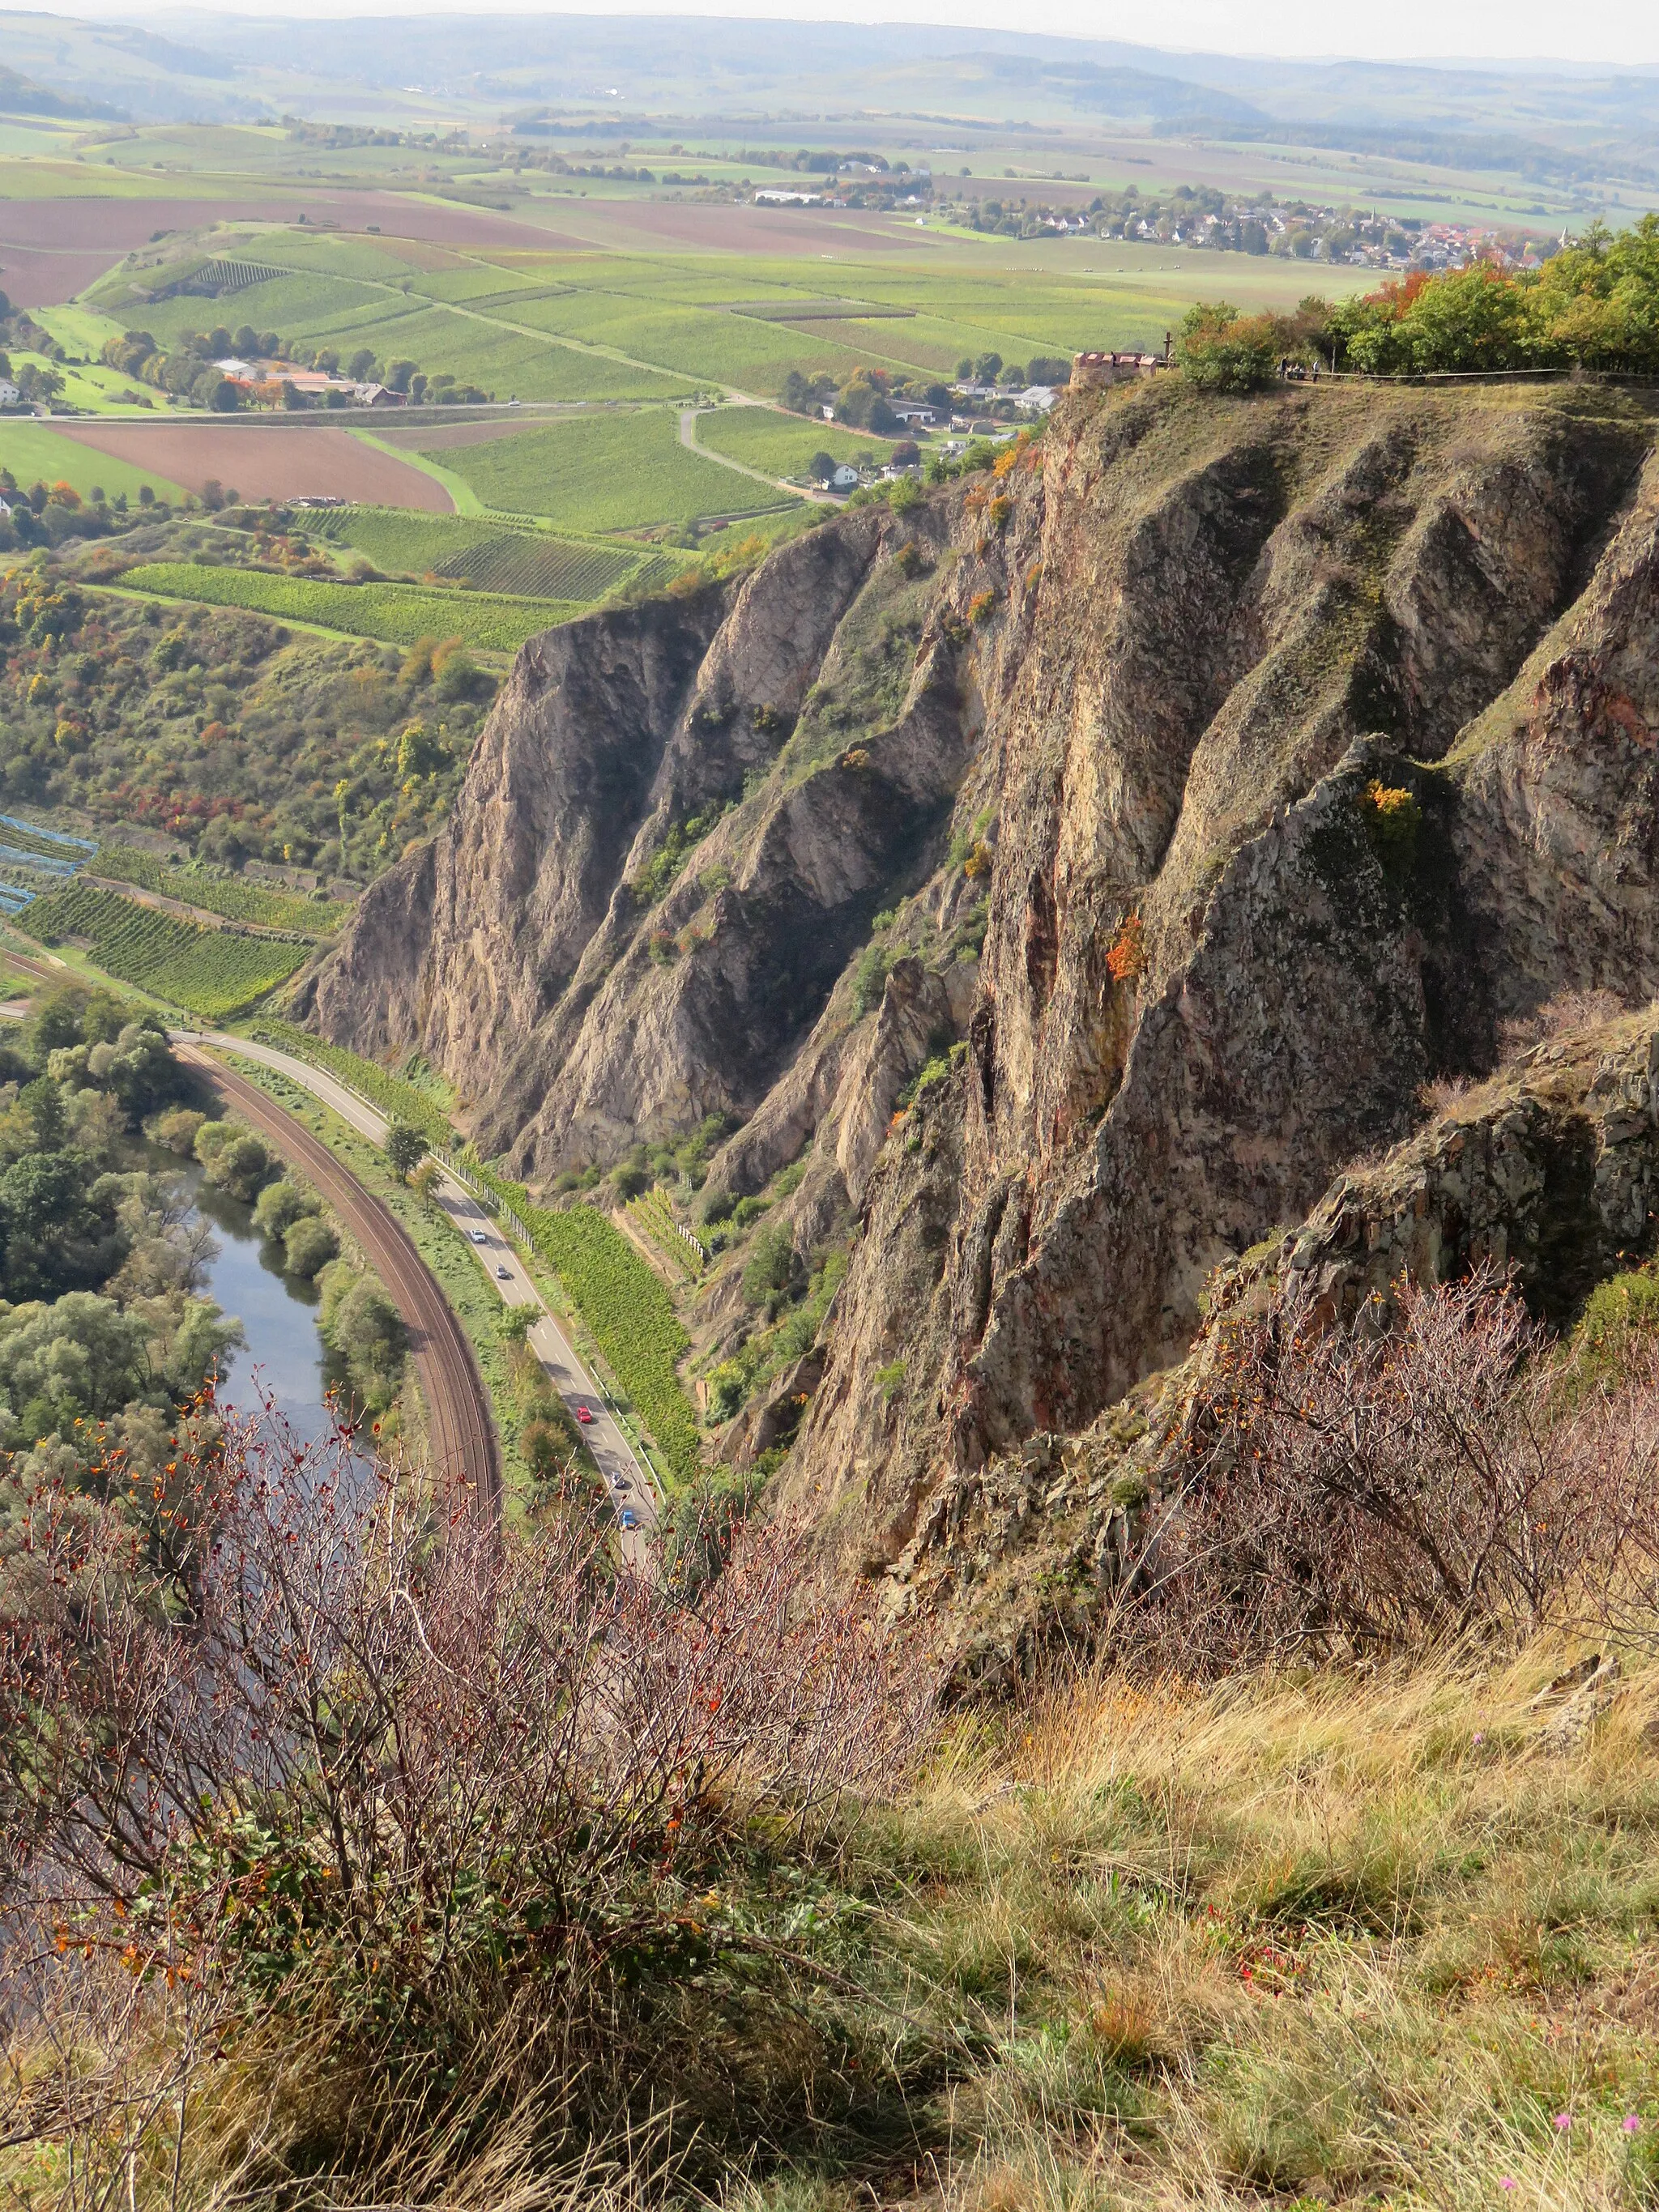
[[584, 1416], [628, 1518], [502, 1275], [479, 1236], [620, 1484]]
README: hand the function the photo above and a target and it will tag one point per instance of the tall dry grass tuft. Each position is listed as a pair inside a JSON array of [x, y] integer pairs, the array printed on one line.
[[352, 1839]]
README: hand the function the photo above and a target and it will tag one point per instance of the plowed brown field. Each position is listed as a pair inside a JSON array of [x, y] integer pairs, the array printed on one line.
[[266, 460], [52, 249]]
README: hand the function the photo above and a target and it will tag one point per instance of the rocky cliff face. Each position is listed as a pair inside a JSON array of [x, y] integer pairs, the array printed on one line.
[[1213, 784]]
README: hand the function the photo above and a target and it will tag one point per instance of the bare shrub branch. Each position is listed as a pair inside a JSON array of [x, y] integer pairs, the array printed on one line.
[[1361, 1490], [351, 1758]]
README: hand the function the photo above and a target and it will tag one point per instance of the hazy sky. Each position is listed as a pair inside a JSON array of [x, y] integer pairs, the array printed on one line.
[[1596, 32]]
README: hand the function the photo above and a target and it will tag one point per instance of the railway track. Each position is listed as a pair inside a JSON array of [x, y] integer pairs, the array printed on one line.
[[462, 1436]]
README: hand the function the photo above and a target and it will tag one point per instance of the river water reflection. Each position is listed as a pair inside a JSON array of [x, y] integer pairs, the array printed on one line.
[[285, 1356]]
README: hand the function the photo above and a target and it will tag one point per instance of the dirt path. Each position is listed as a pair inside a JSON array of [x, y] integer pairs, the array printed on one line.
[[688, 440], [457, 1406]]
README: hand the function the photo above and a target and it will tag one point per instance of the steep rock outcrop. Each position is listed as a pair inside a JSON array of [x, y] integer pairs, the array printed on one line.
[[1552, 1167], [1215, 777]]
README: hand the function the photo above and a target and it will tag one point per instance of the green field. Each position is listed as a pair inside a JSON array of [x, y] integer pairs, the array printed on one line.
[[604, 472], [783, 445], [214, 973], [399, 613], [233, 896], [525, 563], [37, 455], [632, 1317]]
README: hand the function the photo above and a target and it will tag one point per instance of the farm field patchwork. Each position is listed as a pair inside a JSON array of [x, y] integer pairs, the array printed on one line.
[[606, 472], [35, 454], [261, 460], [214, 973], [397, 613]]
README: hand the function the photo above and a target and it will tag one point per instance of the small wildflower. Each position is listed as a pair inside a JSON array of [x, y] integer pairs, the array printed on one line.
[[1563, 2120], [1507, 2181], [1631, 2121]]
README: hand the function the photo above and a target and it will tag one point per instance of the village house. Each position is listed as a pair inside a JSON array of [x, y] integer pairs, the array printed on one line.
[[9, 395]]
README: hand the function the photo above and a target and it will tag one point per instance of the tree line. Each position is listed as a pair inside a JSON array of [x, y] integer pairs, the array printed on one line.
[[189, 370], [1594, 306]]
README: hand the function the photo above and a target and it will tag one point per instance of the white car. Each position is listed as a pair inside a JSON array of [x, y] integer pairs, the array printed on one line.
[[479, 1236]]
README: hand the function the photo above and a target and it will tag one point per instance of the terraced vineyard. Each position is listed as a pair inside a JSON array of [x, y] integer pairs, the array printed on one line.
[[533, 567], [653, 1214], [494, 556], [399, 613], [214, 973], [233, 896], [628, 1309]]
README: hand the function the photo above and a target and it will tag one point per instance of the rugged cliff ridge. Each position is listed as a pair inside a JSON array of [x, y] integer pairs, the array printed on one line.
[[1216, 783]]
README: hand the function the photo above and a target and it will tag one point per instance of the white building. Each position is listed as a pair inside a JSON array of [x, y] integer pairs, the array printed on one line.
[[846, 478], [9, 395]]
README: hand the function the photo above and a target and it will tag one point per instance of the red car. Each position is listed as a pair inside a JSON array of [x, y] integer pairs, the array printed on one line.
[[584, 1416]]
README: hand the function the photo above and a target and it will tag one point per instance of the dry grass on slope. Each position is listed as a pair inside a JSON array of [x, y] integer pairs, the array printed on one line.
[[1381, 1939]]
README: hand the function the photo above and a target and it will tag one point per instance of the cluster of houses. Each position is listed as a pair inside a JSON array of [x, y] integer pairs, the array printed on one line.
[[263, 382]]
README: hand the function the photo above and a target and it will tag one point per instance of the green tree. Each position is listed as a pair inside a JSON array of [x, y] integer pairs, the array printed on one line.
[[234, 1159], [309, 1246], [57, 1225], [770, 1266], [279, 1205], [1221, 351], [405, 1146]]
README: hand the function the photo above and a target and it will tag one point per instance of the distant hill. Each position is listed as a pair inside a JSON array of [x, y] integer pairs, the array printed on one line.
[[21, 95]]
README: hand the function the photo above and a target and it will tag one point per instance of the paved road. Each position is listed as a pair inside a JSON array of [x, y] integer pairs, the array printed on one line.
[[458, 1404], [630, 1484]]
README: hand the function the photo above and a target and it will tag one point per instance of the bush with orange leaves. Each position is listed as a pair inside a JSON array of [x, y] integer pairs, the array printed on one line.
[[1126, 958], [356, 1773], [1381, 1489]]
